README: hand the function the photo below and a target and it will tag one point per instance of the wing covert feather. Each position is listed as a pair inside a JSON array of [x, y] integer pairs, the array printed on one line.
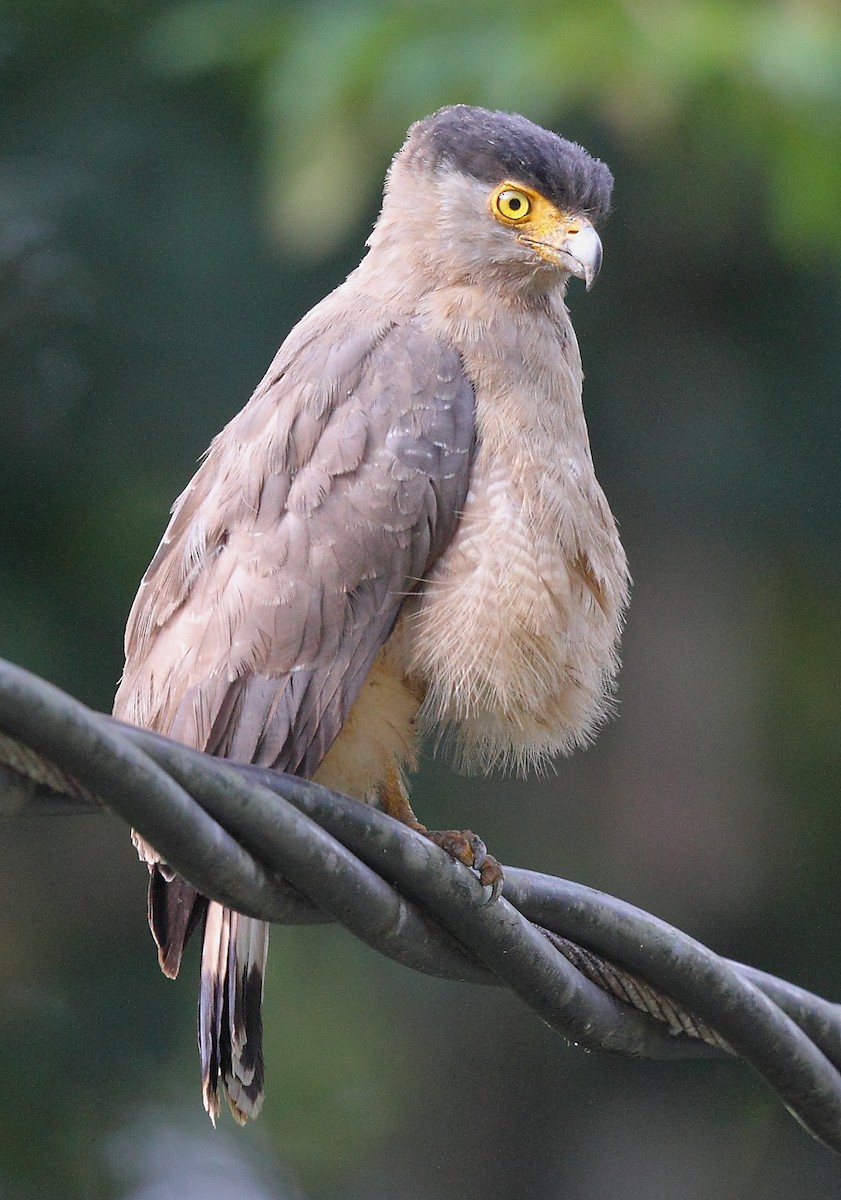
[[281, 573]]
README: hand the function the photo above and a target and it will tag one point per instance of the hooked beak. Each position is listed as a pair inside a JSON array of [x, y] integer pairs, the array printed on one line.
[[572, 244]]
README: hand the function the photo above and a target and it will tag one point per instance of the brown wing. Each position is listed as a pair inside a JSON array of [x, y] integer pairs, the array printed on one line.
[[317, 509]]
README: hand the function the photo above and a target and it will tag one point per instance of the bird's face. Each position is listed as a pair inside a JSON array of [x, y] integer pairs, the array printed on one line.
[[493, 200], [507, 235], [563, 239]]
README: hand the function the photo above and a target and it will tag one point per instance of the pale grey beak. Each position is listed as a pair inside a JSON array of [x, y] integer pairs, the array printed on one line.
[[572, 244], [582, 248]]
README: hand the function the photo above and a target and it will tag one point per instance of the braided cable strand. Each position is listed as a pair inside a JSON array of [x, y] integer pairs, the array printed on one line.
[[629, 988], [598, 970]]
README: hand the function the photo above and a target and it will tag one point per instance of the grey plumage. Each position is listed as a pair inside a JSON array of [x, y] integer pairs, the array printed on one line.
[[377, 460], [402, 524]]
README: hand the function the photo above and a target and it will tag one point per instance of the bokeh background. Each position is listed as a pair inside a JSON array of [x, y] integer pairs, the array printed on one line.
[[178, 184]]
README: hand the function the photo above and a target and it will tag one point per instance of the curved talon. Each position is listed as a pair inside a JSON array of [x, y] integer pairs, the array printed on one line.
[[468, 848], [461, 844], [491, 875]]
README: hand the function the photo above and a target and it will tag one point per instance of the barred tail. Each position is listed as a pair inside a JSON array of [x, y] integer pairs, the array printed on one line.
[[230, 1025]]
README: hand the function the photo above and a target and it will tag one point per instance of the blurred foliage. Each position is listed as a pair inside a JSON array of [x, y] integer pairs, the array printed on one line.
[[178, 183], [338, 84]]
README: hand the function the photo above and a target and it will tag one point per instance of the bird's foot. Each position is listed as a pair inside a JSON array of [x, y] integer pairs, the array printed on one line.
[[461, 844], [465, 847]]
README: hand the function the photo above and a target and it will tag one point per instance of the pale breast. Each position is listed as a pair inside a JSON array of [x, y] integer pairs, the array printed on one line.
[[516, 634]]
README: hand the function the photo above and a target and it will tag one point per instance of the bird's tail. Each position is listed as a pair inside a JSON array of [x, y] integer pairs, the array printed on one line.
[[233, 964], [231, 991]]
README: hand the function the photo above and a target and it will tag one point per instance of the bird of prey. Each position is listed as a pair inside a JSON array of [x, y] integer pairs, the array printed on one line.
[[402, 529]]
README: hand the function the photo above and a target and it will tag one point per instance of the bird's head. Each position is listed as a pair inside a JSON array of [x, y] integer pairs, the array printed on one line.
[[474, 193]]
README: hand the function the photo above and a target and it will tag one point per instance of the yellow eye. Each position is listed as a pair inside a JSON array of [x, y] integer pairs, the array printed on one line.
[[511, 204]]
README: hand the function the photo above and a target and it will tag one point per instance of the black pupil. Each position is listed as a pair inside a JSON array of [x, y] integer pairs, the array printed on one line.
[[514, 203]]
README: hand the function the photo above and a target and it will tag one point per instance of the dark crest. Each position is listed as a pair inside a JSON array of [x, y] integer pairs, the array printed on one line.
[[492, 146]]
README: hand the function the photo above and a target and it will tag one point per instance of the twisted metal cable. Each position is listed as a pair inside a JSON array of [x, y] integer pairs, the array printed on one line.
[[601, 972]]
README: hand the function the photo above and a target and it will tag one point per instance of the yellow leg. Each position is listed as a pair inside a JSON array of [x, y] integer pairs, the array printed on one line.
[[461, 844]]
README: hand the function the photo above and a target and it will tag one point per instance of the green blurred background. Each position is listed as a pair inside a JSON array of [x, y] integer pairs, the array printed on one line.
[[178, 184]]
